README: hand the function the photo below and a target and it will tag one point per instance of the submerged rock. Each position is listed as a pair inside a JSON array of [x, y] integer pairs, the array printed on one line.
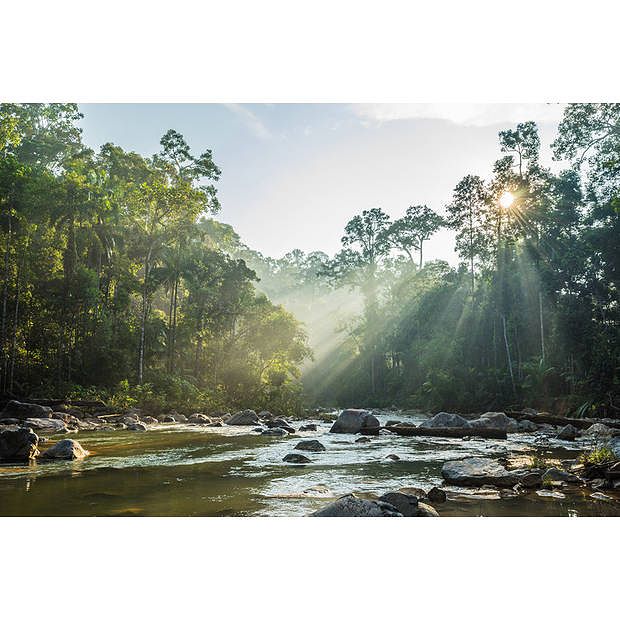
[[476, 471], [296, 458], [247, 417], [354, 421], [66, 449], [274, 432], [393, 457], [363, 440], [22, 411], [310, 445], [406, 504], [18, 445], [446, 420], [352, 506]]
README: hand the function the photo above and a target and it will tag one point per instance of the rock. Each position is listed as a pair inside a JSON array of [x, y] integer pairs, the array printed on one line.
[[148, 419], [597, 430], [46, 425], [406, 504], [310, 445], [529, 411], [362, 440], [436, 495], [393, 457], [216, 424], [136, 426], [446, 420], [493, 420], [476, 471], [546, 493], [66, 449], [168, 419], [280, 423], [22, 411], [530, 479], [352, 506], [243, 418], [513, 426], [555, 474], [265, 414], [392, 422], [18, 445], [274, 432], [308, 427], [296, 458], [10, 421], [613, 473], [601, 497], [527, 426], [419, 493], [199, 418], [354, 421], [568, 433], [614, 446], [130, 419], [425, 510], [180, 417]]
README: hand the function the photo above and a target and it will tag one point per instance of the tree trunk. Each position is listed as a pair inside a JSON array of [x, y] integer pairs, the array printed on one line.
[[15, 322], [508, 358], [147, 266], [542, 327], [5, 295]]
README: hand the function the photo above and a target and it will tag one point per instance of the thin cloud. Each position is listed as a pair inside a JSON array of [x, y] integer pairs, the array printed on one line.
[[252, 122], [473, 114]]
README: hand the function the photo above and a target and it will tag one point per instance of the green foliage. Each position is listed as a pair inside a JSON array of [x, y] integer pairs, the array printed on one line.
[[598, 456]]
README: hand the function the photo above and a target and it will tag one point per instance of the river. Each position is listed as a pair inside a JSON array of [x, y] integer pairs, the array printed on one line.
[[183, 470]]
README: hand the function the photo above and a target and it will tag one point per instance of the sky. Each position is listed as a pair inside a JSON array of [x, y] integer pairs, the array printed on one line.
[[293, 175]]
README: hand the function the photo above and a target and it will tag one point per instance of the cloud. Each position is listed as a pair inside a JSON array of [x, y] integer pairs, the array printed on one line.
[[474, 114], [252, 122]]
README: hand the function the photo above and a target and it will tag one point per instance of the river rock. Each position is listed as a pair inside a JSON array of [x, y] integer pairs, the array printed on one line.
[[18, 445], [46, 425], [149, 419], [530, 479], [527, 426], [216, 424], [446, 420], [296, 458], [406, 504], [555, 474], [168, 419], [476, 471], [436, 495], [614, 446], [426, 510], [22, 411], [280, 423], [568, 433], [308, 427], [393, 457], [597, 430], [247, 417], [492, 420], [199, 418], [354, 421], [136, 426], [274, 432], [352, 506], [180, 417], [363, 440], [65, 449], [310, 445]]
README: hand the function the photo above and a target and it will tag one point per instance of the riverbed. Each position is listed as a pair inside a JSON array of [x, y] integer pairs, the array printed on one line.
[[187, 470]]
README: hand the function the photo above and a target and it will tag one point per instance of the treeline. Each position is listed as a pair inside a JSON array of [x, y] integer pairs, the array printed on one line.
[[116, 284], [531, 314]]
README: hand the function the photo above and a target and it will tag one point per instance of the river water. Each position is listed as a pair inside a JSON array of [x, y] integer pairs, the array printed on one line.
[[182, 470]]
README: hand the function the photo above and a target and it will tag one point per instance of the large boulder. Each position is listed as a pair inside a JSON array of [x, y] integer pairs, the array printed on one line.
[[406, 504], [354, 421], [21, 411], [18, 445], [247, 417], [446, 420], [65, 449], [496, 420], [597, 430], [46, 425], [199, 418], [477, 471], [310, 445], [351, 506], [527, 426], [280, 423]]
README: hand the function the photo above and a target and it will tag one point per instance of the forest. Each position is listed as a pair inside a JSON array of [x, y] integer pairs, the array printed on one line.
[[118, 283]]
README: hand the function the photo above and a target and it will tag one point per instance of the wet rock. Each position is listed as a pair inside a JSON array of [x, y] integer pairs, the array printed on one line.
[[22, 411], [274, 432], [247, 417], [65, 449], [601, 497], [310, 445], [492, 420], [597, 430], [613, 473], [599, 483], [130, 419], [136, 426], [527, 426], [568, 433], [446, 420], [296, 458], [352, 506], [547, 493], [419, 493], [280, 423], [614, 446], [199, 418], [354, 421], [426, 510], [265, 414], [308, 427], [46, 425], [148, 419], [392, 422], [530, 479], [436, 495], [555, 474], [18, 445], [476, 471], [362, 440], [180, 417], [406, 504], [216, 424], [120, 426], [10, 421], [393, 457]]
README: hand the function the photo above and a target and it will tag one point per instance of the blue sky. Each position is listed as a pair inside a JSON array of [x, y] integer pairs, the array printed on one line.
[[294, 174]]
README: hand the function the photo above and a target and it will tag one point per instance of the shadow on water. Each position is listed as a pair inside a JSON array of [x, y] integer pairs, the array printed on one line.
[[196, 471]]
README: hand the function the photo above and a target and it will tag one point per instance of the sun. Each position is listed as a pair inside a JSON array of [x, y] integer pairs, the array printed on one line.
[[506, 200]]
